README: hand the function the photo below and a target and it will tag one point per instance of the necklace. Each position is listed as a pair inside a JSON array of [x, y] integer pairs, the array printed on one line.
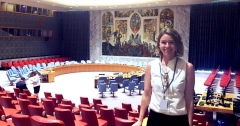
[[165, 78]]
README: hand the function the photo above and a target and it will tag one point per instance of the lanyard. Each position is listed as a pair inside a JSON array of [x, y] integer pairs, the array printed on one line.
[[165, 89]]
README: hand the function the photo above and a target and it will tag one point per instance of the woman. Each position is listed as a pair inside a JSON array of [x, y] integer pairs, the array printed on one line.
[[169, 84], [35, 80]]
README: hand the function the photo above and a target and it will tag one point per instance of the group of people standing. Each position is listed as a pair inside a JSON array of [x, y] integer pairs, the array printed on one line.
[[34, 79]]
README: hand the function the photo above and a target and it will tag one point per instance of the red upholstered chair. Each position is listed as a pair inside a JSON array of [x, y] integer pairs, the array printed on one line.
[[4, 64], [21, 120], [59, 98], [68, 102], [95, 102], [9, 64], [195, 122], [24, 106], [26, 91], [48, 106], [23, 95], [33, 100], [201, 118], [122, 113], [7, 102], [238, 123], [47, 94], [36, 110], [3, 119], [89, 116], [41, 121], [123, 122], [128, 107], [84, 100], [67, 117], [74, 110], [11, 95], [100, 106], [108, 115], [8, 111], [54, 100]]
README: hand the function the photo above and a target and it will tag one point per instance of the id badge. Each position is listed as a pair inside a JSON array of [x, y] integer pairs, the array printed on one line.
[[163, 104]]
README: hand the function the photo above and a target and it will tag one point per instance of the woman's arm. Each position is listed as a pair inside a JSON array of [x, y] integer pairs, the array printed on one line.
[[146, 94], [189, 90]]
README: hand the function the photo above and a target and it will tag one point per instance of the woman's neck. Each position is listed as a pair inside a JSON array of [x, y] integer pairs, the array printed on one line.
[[165, 59]]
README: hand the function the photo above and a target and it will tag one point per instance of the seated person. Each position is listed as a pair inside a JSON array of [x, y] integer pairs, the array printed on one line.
[[21, 84]]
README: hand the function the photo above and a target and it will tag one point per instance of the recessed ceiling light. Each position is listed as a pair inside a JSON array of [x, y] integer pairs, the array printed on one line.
[[53, 4], [38, 1], [115, 6], [156, 2], [148, 4], [70, 7], [110, 7], [129, 6], [96, 6], [169, 2], [76, 6], [90, 7], [137, 4]]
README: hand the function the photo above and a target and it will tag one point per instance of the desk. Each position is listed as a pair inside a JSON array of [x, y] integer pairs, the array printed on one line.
[[59, 70], [221, 109]]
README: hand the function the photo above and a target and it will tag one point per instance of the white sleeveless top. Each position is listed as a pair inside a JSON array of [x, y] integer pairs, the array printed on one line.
[[175, 93]]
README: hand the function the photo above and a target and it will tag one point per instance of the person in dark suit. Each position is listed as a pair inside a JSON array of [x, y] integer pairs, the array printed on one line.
[[21, 84]]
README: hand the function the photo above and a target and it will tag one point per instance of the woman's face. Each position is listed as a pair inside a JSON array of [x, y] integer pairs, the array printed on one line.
[[167, 46]]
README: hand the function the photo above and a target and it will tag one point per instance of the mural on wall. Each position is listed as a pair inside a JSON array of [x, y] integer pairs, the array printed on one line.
[[166, 18], [107, 26], [123, 13], [148, 12], [135, 34]]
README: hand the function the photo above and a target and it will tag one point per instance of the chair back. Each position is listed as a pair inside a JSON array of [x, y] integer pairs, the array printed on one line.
[[26, 91], [65, 115], [121, 113], [41, 121], [135, 80], [24, 106], [131, 86], [67, 102], [48, 106], [102, 87], [201, 118], [59, 98], [11, 94], [23, 95], [36, 110], [33, 100], [7, 102], [127, 106], [133, 77], [54, 101], [123, 122], [141, 85], [125, 83], [119, 79], [114, 87], [21, 120], [142, 77], [108, 115], [89, 116], [103, 78], [47, 94], [16, 91], [95, 102], [84, 100]]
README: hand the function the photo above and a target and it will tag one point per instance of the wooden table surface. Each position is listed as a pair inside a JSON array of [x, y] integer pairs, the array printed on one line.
[[214, 108]]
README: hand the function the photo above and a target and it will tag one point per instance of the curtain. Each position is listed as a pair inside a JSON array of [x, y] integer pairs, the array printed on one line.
[[215, 35], [75, 35]]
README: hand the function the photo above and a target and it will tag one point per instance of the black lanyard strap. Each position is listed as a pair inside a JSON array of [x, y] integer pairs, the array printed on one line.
[[165, 89]]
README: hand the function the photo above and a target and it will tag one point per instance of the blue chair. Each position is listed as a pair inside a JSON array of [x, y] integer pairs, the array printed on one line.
[[103, 78], [102, 88], [135, 80], [83, 62], [44, 65], [38, 65], [57, 64], [14, 70], [133, 77], [142, 77], [62, 63], [113, 88], [125, 84], [11, 78], [100, 81], [110, 83], [140, 86], [11, 74], [130, 87], [30, 67], [119, 80]]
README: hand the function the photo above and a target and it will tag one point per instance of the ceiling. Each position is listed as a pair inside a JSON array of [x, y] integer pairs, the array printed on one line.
[[74, 5]]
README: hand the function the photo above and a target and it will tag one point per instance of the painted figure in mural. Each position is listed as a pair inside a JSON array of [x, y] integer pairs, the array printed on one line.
[[115, 35], [135, 38], [119, 36], [168, 84]]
